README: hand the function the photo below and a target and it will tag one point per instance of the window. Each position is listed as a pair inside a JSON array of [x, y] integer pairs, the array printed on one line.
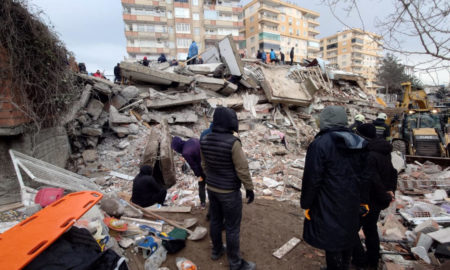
[[195, 2], [196, 30], [290, 30], [282, 18], [252, 50], [344, 36], [344, 49], [304, 33], [170, 30], [252, 29], [169, 1], [210, 14], [297, 23], [344, 43], [183, 42], [182, 13], [195, 16], [252, 39], [290, 20], [305, 24], [283, 28], [169, 15], [183, 28], [298, 32], [252, 19]]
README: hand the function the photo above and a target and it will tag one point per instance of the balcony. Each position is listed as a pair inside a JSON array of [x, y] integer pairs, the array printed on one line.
[[144, 18], [270, 19], [313, 49], [312, 21], [143, 3], [268, 8], [147, 50], [146, 35], [313, 31], [221, 23]]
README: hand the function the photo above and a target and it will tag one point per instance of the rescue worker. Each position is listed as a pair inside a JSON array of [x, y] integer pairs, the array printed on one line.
[[282, 57], [291, 54], [359, 120], [146, 190], [193, 52], [383, 130], [382, 179], [263, 57], [190, 150], [162, 58], [331, 188], [273, 56], [117, 74], [226, 168], [145, 62]]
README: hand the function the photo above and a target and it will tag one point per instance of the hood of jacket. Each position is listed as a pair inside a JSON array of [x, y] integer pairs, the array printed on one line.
[[146, 170], [333, 116], [380, 145], [378, 122], [225, 120], [177, 144], [344, 138]]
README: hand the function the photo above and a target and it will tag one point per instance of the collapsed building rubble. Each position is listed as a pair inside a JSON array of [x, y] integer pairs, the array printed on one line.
[[114, 129]]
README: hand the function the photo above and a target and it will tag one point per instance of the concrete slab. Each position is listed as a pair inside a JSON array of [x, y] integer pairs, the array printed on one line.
[[139, 72], [166, 156], [209, 83], [95, 108], [179, 99], [116, 118], [203, 68], [228, 89], [230, 56]]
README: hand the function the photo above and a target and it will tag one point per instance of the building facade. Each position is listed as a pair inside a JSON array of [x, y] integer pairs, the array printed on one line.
[[153, 27], [355, 51], [281, 26]]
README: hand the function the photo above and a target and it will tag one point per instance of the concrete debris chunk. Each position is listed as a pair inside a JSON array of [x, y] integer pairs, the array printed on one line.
[[90, 155], [95, 108], [129, 92], [203, 69], [269, 182], [135, 71], [176, 100], [103, 88], [421, 253], [117, 118], [90, 131], [181, 131]]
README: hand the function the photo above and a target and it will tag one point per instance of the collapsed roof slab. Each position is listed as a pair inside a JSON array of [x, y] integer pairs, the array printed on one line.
[[280, 89], [178, 99], [142, 73]]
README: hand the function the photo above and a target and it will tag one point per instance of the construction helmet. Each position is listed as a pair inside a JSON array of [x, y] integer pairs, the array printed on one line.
[[382, 116], [360, 118]]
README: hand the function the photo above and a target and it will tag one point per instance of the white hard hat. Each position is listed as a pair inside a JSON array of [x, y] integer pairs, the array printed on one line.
[[382, 116], [360, 118]]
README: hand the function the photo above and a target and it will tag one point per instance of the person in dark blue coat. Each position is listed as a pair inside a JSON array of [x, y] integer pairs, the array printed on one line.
[[190, 150], [331, 188], [162, 58]]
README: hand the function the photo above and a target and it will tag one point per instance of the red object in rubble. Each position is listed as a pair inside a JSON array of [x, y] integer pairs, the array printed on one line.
[[46, 196]]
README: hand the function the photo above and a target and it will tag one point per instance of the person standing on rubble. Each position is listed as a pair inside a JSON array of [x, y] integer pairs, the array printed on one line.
[[382, 179], [162, 58], [273, 57], [291, 54], [258, 55], [263, 57], [282, 57], [190, 150], [145, 62], [383, 130], [117, 74], [331, 188], [193, 52], [226, 169], [146, 190], [359, 120]]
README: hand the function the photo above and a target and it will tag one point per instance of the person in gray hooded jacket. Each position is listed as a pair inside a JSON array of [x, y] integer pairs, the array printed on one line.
[[331, 188]]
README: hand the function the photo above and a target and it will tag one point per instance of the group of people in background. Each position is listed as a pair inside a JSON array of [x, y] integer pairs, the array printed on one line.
[[272, 58]]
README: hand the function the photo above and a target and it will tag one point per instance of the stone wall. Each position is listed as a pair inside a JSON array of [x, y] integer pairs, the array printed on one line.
[[50, 145]]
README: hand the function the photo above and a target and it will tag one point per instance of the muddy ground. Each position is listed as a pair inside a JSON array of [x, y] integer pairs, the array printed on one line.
[[266, 226]]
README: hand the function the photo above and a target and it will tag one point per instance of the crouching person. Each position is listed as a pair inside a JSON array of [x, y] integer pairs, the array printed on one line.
[[146, 190], [330, 188], [226, 168]]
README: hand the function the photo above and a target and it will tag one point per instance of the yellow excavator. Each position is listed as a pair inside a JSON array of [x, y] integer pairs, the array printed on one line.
[[418, 130]]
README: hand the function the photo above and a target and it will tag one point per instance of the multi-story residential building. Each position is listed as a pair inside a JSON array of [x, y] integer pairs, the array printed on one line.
[[278, 25], [153, 27], [356, 51]]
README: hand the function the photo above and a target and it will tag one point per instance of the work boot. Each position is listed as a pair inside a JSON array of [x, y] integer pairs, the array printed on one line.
[[215, 256], [247, 265], [203, 205]]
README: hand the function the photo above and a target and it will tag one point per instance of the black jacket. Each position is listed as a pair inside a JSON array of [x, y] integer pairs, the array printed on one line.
[[380, 173], [291, 54], [282, 56], [355, 125], [331, 189], [146, 191], [383, 130], [117, 71]]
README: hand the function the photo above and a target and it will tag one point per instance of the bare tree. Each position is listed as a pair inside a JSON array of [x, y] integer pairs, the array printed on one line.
[[424, 22]]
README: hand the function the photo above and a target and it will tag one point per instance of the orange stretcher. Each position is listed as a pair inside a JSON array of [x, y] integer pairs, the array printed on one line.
[[23, 242]]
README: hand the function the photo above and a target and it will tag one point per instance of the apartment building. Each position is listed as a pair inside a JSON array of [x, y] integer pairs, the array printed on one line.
[[153, 27], [356, 51], [278, 25]]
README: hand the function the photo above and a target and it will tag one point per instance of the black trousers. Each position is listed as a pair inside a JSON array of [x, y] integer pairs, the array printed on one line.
[[338, 260], [201, 190], [371, 257], [226, 209]]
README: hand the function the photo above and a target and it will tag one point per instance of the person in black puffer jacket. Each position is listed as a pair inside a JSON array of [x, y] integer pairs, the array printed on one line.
[[146, 191], [382, 177], [226, 169]]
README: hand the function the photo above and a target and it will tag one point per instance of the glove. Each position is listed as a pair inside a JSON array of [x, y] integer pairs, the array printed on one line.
[[307, 214], [200, 179], [364, 209], [250, 195]]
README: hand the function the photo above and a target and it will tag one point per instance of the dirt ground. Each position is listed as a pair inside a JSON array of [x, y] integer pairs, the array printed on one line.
[[266, 226]]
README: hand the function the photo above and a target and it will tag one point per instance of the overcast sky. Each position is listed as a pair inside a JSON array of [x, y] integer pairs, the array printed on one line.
[[94, 30]]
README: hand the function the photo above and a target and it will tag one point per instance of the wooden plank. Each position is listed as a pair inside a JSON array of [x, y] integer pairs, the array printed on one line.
[[279, 253], [157, 225], [170, 209], [10, 206]]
